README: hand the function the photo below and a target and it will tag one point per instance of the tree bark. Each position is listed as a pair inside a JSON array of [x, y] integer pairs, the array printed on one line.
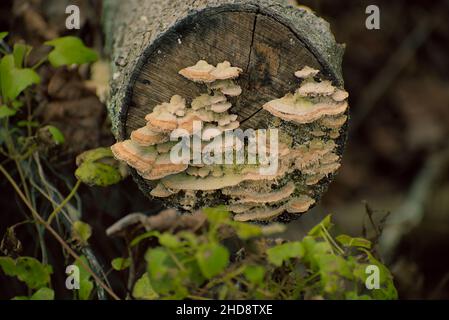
[[149, 41]]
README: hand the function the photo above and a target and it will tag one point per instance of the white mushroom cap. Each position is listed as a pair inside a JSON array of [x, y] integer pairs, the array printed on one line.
[[306, 72], [163, 167], [227, 87], [160, 191], [225, 71], [259, 214], [298, 109], [200, 72], [138, 157], [146, 137], [312, 88], [300, 204], [340, 95], [162, 121], [249, 196], [221, 107]]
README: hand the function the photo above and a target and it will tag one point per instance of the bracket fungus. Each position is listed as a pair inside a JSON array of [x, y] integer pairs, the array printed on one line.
[[302, 147]]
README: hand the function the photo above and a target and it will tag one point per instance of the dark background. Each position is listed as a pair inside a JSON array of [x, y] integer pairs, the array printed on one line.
[[397, 155]]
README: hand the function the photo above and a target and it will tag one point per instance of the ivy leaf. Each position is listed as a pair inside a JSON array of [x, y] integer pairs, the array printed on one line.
[[6, 112], [28, 270], [247, 231], [81, 231], [332, 269], [70, 50], [388, 290], [98, 167], [14, 80], [86, 285], [254, 274], [280, 253], [20, 51], [143, 290], [8, 265], [217, 215], [212, 259], [32, 272], [348, 241], [169, 241], [3, 35], [43, 294], [162, 270], [56, 134], [98, 174], [120, 264], [326, 223], [94, 155]]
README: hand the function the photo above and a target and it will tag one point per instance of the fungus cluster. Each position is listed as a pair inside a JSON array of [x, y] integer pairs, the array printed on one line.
[[250, 195]]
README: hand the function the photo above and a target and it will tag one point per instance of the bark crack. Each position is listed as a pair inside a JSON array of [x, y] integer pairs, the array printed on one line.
[[253, 35], [252, 43]]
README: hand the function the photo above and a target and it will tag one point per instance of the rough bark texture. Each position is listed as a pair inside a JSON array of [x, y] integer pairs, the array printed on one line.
[[151, 40]]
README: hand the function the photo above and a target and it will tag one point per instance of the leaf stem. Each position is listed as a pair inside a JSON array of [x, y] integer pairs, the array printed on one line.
[[64, 202]]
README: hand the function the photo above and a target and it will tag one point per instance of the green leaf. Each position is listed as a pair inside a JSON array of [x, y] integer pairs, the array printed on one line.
[[14, 80], [86, 285], [98, 174], [82, 231], [3, 35], [56, 134], [143, 290], [169, 241], [70, 50], [8, 265], [247, 231], [212, 259], [94, 155], [348, 241], [93, 170], [162, 270], [120, 264], [217, 215], [20, 52], [6, 112], [254, 274], [326, 223], [43, 294], [32, 272], [332, 269], [28, 270], [388, 290], [280, 253]]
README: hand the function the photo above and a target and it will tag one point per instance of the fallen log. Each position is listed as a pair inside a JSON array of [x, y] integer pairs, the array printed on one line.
[[151, 41]]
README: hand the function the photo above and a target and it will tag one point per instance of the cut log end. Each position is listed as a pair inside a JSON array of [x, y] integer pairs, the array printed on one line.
[[270, 50]]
